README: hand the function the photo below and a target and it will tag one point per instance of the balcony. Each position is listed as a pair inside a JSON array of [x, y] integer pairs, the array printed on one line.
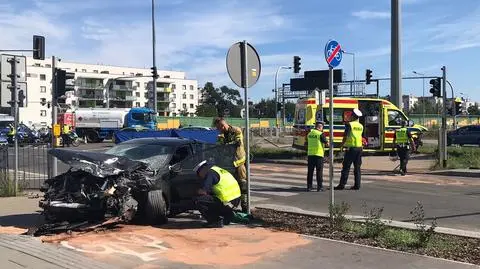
[[121, 88], [90, 97], [91, 86], [163, 89]]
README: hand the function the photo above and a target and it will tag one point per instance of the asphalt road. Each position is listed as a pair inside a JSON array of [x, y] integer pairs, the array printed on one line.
[[452, 200]]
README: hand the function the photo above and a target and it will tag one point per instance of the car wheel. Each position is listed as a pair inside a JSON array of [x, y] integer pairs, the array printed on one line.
[[92, 137], [156, 208]]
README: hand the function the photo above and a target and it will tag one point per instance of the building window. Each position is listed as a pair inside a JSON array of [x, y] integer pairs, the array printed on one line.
[[76, 70], [184, 87], [43, 77], [137, 104], [146, 104], [184, 106], [191, 96], [174, 87], [137, 94], [43, 89], [184, 96], [174, 105], [145, 95], [174, 96], [48, 65], [191, 87], [132, 74], [37, 65], [191, 105], [43, 113], [84, 70], [95, 71], [29, 75], [138, 84]]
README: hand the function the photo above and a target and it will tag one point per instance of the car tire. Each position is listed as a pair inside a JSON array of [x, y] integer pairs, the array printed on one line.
[[156, 208], [92, 137]]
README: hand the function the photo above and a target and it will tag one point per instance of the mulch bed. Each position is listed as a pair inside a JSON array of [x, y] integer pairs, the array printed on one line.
[[441, 246]]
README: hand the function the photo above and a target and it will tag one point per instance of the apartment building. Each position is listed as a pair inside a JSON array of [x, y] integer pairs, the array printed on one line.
[[98, 85]]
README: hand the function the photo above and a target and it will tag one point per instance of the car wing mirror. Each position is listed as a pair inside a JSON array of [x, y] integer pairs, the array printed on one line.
[[175, 168]]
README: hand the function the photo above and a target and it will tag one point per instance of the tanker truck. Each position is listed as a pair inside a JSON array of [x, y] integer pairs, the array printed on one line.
[[98, 124]]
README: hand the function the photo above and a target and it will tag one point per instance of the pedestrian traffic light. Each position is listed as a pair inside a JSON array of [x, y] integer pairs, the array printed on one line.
[[21, 98], [154, 72], [38, 47], [296, 64], [436, 85], [368, 76]]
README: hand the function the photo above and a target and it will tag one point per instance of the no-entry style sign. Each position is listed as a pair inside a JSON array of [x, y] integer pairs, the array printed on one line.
[[237, 57], [333, 53]]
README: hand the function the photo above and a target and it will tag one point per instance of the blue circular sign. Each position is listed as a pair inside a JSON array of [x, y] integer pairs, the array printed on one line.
[[333, 53]]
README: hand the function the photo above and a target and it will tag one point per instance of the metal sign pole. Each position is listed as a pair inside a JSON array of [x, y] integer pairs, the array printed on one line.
[[330, 122], [444, 118], [247, 123]]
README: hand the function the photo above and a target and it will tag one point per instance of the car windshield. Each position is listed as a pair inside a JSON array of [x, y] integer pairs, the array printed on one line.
[[154, 155]]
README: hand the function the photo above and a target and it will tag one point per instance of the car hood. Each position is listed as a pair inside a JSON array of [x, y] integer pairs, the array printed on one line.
[[96, 163]]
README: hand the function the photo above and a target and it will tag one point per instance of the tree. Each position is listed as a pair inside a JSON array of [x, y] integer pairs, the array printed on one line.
[[473, 110], [430, 108], [218, 101]]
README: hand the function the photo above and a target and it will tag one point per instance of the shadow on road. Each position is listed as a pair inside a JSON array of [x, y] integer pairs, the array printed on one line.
[[449, 216], [22, 220]]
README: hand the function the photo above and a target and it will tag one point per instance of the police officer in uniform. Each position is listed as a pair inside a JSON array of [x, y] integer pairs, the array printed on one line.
[[316, 142], [234, 136], [11, 133], [401, 142], [352, 141], [218, 196], [66, 135]]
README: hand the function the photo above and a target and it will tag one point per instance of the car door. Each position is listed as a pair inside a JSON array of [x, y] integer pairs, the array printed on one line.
[[183, 182]]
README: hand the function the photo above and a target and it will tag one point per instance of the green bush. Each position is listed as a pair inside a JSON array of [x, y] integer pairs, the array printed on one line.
[[457, 157], [374, 226], [7, 186], [423, 233], [396, 238], [338, 215], [277, 153]]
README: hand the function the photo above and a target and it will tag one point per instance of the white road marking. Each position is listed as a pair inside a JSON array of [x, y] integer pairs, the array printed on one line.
[[276, 193]]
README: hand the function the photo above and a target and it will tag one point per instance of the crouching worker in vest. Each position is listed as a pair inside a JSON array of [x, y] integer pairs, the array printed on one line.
[[316, 143], [218, 196], [402, 140]]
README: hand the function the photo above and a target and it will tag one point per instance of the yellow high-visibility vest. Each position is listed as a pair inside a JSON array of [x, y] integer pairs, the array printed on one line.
[[227, 188], [315, 146], [354, 139]]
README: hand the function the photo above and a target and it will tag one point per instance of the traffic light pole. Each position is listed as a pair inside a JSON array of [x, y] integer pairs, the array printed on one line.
[[444, 118], [14, 89], [53, 160], [154, 61]]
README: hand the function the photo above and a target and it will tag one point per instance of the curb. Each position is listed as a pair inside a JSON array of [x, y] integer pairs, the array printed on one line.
[[457, 173], [393, 223]]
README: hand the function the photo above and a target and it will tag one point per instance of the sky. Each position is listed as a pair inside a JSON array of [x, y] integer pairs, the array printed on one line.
[[194, 36]]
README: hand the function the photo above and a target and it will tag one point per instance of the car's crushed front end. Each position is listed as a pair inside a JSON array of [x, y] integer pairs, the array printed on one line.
[[98, 187]]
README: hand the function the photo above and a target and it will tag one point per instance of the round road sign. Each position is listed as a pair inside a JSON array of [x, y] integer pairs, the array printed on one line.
[[333, 53], [235, 57]]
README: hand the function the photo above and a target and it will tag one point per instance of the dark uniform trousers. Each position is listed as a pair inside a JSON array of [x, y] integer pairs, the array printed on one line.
[[353, 155], [315, 162], [212, 208], [404, 154]]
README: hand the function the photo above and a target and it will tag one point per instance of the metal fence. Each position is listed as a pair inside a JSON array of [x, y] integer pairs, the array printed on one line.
[[33, 166]]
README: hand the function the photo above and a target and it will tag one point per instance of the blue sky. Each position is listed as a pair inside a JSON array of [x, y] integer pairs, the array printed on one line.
[[194, 35]]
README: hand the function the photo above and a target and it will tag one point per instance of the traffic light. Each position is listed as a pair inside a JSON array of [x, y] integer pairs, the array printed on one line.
[[279, 106], [61, 85], [436, 87], [154, 72], [296, 64], [458, 107], [368, 76], [38, 47]]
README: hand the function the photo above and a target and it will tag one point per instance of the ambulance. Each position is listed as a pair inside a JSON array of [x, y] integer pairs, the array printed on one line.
[[380, 120]]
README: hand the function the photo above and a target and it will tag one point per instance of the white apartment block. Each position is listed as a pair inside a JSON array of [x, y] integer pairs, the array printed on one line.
[[98, 85], [409, 101]]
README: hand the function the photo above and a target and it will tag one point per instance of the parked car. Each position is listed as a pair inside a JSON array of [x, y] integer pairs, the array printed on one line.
[[467, 135], [195, 128], [146, 178]]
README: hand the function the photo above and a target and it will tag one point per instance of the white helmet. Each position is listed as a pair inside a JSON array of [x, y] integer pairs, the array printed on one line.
[[357, 112]]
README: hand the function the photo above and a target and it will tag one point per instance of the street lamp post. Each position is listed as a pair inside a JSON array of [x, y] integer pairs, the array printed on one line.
[[423, 96], [354, 74], [276, 93]]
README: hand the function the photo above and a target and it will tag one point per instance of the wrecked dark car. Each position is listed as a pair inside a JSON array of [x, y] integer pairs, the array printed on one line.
[[148, 179]]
